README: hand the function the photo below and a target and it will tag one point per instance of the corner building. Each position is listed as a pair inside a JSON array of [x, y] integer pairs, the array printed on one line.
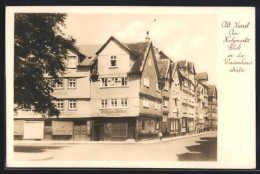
[[124, 101]]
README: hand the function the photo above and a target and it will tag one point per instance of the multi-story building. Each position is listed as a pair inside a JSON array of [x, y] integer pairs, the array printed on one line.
[[202, 102], [123, 91], [213, 107], [165, 88], [72, 98], [188, 95], [125, 101]]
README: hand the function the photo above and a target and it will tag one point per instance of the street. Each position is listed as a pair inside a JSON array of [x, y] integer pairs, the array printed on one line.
[[197, 148]]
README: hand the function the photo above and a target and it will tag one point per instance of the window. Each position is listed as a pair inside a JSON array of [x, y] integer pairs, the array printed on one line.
[[26, 106], [113, 82], [124, 102], [157, 125], [72, 104], [72, 60], [164, 119], [156, 106], [184, 122], [60, 104], [60, 85], [103, 103], [143, 125], [157, 87], [145, 103], [103, 82], [176, 102], [113, 61], [124, 81], [166, 87], [119, 130], [72, 83], [113, 103], [174, 125], [146, 81], [165, 103]]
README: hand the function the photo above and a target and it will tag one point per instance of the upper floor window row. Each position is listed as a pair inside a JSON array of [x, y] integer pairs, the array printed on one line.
[[114, 103], [72, 83], [113, 82], [72, 104]]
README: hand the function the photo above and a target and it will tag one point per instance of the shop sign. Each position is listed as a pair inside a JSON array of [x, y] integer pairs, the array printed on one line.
[[113, 111]]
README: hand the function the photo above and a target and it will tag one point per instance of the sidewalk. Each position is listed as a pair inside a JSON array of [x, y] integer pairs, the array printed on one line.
[[64, 142]]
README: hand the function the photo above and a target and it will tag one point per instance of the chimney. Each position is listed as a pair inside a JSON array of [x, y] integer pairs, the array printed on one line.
[[147, 38]]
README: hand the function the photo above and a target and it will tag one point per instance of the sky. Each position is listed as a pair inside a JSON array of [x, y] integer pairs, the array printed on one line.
[[191, 37]]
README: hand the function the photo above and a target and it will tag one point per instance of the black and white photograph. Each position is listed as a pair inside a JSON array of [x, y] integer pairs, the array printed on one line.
[[124, 87]]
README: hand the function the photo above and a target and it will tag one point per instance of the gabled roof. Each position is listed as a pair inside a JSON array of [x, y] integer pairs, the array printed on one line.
[[182, 63], [141, 50], [163, 55], [112, 38], [163, 67], [212, 90], [90, 52], [173, 68], [186, 64], [202, 76]]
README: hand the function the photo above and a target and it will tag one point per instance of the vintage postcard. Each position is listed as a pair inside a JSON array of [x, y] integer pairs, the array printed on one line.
[[131, 87]]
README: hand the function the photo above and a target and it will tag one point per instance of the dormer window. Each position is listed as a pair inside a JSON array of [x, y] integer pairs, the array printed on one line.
[[113, 62], [72, 61]]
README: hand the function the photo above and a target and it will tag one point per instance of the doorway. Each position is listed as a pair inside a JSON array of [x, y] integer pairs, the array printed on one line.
[[131, 130], [99, 133]]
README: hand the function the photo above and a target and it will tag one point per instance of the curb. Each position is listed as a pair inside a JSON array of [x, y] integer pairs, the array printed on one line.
[[64, 143]]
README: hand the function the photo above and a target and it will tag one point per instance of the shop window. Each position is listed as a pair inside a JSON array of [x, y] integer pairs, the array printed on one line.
[[143, 125], [72, 104], [157, 125], [60, 104], [184, 122], [172, 125], [72, 83], [113, 62], [119, 129]]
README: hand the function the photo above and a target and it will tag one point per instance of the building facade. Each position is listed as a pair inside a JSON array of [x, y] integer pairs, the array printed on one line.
[[202, 102], [123, 91], [213, 107]]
